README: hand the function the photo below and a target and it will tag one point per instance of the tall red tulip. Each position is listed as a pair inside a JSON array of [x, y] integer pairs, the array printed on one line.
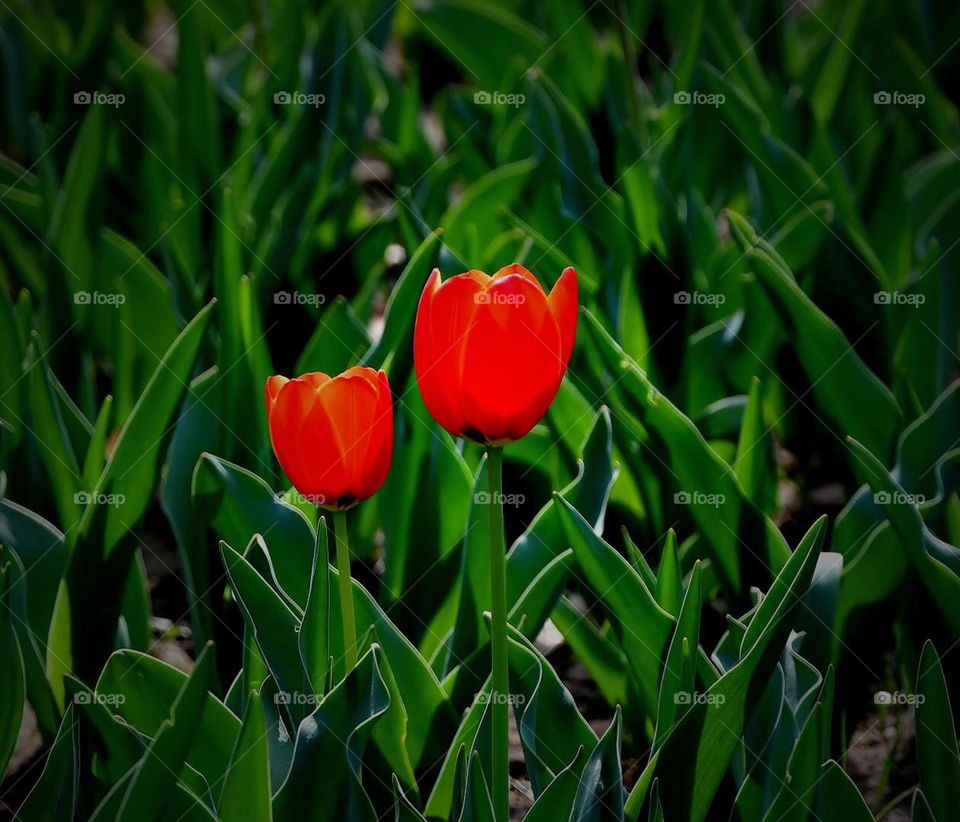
[[490, 352], [333, 437]]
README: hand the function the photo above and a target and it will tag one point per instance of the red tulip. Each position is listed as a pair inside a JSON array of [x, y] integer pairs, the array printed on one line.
[[490, 352], [333, 436]]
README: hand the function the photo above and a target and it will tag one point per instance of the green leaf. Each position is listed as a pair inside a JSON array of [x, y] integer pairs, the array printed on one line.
[[53, 441], [643, 627], [400, 311], [38, 694], [471, 802], [246, 788], [12, 677], [696, 754], [42, 552], [147, 322], [336, 343], [55, 795], [478, 210], [847, 389], [753, 464], [551, 727], [726, 518], [838, 799], [325, 772], [670, 576], [678, 670], [920, 811], [70, 226], [596, 651], [557, 799], [937, 750], [404, 810], [936, 562], [834, 69], [144, 689], [313, 637], [432, 718], [148, 791], [274, 625], [239, 504], [466, 30], [588, 492], [600, 793], [132, 469], [96, 455]]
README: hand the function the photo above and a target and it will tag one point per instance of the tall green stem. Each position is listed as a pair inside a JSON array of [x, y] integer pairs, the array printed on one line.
[[346, 589], [500, 676]]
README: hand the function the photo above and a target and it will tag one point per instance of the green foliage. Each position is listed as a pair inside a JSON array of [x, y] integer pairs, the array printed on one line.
[[761, 204]]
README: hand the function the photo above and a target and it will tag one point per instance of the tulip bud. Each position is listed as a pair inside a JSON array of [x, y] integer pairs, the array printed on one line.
[[333, 436], [490, 352]]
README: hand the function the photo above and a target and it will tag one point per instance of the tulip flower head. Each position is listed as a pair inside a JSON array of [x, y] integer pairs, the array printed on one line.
[[333, 436], [490, 352]]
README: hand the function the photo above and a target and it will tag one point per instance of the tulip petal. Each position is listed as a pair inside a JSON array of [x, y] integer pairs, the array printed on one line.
[[303, 439], [350, 401], [563, 304], [443, 321], [272, 388], [512, 363], [380, 452], [516, 268]]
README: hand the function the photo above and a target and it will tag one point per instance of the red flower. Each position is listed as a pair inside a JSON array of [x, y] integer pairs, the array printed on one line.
[[490, 352], [333, 436]]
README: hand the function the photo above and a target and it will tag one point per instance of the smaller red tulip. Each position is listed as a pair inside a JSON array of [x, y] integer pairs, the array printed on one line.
[[333, 436], [490, 352]]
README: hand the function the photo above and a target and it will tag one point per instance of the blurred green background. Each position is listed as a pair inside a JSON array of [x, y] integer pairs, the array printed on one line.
[[761, 202]]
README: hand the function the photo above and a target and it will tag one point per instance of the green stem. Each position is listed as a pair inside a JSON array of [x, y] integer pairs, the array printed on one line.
[[500, 674], [346, 589]]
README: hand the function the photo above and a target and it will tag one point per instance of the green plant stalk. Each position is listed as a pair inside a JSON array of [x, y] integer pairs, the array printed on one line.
[[500, 674], [346, 589]]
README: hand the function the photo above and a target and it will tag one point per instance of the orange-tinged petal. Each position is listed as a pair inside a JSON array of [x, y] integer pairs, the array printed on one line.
[[563, 304], [333, 436], [380, 452], [516, 268], [350, 402], [272, 388], [315, 378], [304, 441]]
